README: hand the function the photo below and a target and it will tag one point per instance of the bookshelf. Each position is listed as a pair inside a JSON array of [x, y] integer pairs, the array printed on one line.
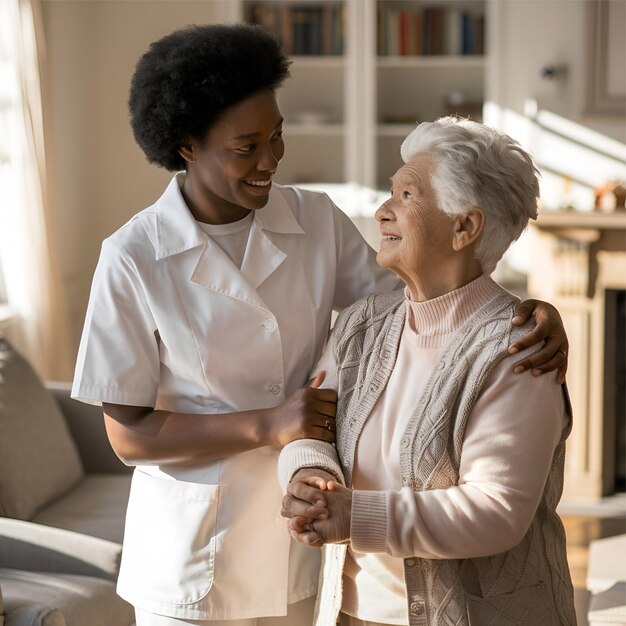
[[364, 72], [430, 61], [313, 100], [303, 28]]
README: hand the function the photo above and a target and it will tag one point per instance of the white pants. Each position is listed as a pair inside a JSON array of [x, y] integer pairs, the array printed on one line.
[[298, 614]]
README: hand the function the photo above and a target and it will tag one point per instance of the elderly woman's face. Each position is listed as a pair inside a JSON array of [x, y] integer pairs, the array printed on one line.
[[416, 234]]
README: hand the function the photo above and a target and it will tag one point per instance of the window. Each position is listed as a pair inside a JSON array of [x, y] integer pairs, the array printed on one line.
[[8, 103], [3, 290]]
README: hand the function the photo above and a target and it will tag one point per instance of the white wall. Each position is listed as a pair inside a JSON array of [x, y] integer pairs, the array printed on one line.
[[531, 34], [98, 177]]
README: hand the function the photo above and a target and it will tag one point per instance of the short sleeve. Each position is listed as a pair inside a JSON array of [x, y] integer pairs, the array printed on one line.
[[118, 357], [358, 274]]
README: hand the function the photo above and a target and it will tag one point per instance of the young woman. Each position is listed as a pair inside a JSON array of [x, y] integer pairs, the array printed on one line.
[[207, 312]]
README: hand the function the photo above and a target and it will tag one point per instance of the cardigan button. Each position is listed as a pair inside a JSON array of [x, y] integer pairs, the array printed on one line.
[[440, 366], [410, 562], [416, 608], [405, 442]]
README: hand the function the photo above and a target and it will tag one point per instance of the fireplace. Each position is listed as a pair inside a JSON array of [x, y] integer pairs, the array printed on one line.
[[615, 378], [579, 264]]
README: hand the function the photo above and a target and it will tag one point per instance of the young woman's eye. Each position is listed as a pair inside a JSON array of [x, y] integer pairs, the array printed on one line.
[[246, 149]]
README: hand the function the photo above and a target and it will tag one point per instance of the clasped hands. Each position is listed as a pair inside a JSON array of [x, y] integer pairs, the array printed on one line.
[[318, 507]]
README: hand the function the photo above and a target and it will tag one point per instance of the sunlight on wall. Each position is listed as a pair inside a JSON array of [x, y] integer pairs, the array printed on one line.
[[563, 150], [573, 160]]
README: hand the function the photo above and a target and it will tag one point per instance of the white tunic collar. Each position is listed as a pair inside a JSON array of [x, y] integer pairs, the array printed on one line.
[[177, 229]]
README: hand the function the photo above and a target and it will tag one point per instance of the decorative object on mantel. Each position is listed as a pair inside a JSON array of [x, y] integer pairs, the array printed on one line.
[[619, 191], [610, 196], [566, 201]]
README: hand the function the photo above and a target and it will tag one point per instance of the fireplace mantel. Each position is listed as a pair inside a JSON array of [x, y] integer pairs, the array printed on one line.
[[556, 220], [578, 261]]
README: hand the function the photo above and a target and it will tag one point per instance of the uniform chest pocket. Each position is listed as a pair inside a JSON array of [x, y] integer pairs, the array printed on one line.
[[169, 541]]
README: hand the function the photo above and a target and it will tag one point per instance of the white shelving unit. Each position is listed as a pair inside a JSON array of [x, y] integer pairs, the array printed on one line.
[[414, 88], [346, 115]]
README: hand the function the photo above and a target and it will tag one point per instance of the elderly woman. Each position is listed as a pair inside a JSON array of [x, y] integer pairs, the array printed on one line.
[[453, 465]]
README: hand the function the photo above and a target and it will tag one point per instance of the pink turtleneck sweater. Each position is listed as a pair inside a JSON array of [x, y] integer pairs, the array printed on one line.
[[510, 437]]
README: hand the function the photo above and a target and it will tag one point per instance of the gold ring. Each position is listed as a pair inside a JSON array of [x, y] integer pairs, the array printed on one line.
[[328, 425]]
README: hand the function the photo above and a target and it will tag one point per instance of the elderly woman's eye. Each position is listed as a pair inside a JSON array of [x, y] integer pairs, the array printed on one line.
[[406, 195]]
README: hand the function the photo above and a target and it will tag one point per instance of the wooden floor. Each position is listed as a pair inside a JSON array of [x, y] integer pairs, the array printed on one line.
[[581, 530]]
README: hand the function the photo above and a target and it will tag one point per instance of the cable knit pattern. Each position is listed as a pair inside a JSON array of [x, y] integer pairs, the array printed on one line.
[[528, 585]]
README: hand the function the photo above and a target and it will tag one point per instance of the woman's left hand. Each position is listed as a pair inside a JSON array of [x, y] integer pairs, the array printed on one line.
[[549, 327], [335, 528]]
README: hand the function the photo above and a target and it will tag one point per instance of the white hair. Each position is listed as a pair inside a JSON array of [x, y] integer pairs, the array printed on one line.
[[479, 167]]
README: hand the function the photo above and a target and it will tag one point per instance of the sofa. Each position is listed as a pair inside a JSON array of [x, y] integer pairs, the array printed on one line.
[[63, 498]]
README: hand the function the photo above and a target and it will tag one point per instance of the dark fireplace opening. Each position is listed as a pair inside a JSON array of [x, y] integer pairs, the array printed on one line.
[[615, 382]]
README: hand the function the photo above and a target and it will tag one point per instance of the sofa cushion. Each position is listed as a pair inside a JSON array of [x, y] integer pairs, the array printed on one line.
[[96, 507], [38, 459], [30, 546], [35, 615], [81, 600]]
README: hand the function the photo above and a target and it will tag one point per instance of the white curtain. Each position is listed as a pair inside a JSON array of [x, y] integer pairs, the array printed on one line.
[[27, 255]]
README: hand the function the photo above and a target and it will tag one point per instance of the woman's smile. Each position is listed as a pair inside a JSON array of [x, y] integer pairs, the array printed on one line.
[[388, 237], [259, 187]]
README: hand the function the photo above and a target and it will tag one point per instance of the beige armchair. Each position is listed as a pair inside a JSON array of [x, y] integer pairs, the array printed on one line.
[[63, 496]]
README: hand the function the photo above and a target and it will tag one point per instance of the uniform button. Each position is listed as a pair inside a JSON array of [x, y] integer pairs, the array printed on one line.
[[410, 562], [269, 324], [275, 389], [416, 608]]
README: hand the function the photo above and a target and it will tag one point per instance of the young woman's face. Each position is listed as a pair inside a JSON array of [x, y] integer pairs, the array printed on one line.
[[232, 168]]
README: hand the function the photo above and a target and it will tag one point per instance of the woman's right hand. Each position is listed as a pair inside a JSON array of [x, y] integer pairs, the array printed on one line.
[[308, 413]]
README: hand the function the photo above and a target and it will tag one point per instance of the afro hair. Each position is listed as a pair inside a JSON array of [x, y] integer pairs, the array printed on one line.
[[185, 81]]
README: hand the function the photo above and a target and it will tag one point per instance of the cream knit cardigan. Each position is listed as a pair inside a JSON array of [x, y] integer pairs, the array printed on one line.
[[529, 584]]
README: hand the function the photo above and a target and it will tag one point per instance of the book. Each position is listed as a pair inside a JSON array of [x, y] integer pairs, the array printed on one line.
[[403, 23], [453, 31], [433, 30], [302, 28]]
